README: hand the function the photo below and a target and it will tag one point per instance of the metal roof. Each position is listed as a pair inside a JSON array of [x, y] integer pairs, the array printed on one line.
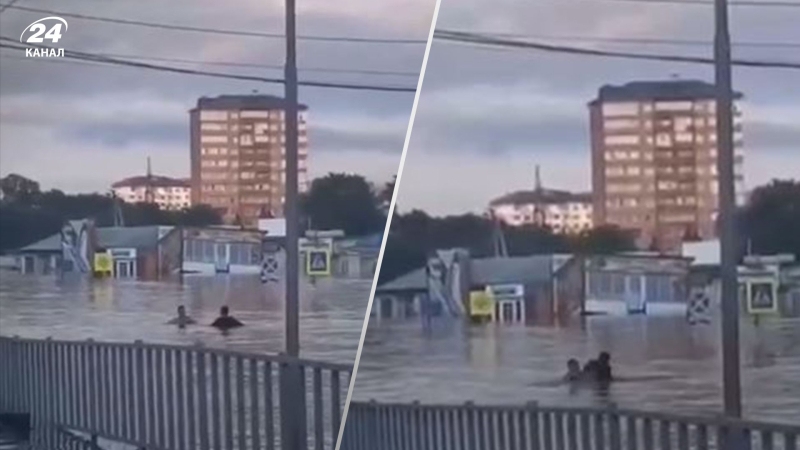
[[658, 90], [153, 180], [144, 237], [545, 196], [244, 102], [483, 271]]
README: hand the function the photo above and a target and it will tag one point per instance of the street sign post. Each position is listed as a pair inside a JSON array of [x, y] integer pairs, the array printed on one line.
[[762, 297], [318, 262]]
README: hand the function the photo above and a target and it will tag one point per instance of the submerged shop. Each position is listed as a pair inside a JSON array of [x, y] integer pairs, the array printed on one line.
[[222, 250], [146, 252], [541, 289]]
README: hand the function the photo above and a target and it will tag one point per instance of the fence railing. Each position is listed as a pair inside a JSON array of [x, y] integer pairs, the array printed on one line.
[[415, 426], [171, 397]]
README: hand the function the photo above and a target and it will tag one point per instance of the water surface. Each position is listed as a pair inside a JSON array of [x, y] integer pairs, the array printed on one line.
[[331, 312], [663, 364]]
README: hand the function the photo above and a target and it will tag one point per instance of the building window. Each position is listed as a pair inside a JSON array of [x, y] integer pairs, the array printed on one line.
[[209, 126], [620, 109], [209, 139], [663, 140], [213, 115], [622, 139], [254, 114]]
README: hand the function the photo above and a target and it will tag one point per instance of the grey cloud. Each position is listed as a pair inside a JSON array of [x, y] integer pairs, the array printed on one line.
[[114, 136], [462, 80], [357, 140], [63, 85]]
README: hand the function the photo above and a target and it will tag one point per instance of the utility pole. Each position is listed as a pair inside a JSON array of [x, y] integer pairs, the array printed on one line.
[[290, 205], [731, 381], [292, 379]]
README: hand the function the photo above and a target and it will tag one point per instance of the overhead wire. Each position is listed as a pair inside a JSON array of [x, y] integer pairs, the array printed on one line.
[[489, 41], [195, 29], [637, 40], [93, 57], [744, 3], [7, 5]]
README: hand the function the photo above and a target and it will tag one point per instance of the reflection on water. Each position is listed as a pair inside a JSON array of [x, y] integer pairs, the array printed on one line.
[[331, 312], [662, 364]]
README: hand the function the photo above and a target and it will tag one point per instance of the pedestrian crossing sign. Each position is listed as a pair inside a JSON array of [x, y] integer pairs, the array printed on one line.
[[318, 262], [762, 298]]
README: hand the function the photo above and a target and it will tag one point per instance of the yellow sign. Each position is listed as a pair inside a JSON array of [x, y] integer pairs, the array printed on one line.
[[481, 304], [102, 263], [318, 262]]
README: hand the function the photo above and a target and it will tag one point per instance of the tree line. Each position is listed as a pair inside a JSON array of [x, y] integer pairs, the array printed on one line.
[[28, 214], [767, 224]]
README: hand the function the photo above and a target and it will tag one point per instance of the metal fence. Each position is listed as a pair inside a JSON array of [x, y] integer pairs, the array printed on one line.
[[375, 426], [171, 397]]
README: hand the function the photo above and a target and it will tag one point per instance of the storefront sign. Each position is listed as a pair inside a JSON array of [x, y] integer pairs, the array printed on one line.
[[103, 263], [481, 304], [122, 253], [506, 290]]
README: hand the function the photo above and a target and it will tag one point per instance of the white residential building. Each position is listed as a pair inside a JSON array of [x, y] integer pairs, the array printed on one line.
[[563, 212], [168, 193]]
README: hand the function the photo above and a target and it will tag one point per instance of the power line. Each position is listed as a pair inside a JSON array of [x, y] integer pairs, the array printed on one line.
[[641, 41], [744, 3], [84, 56], [484, 40], [261, 66], [255, 65], [7, 5], [165, 26]]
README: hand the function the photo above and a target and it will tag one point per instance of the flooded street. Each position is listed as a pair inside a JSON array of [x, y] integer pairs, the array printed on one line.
[[661, 363], [331, 312]]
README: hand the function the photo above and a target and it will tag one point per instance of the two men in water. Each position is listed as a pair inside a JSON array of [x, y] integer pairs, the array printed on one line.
[[224, 322], [182, 319], [597, 370]]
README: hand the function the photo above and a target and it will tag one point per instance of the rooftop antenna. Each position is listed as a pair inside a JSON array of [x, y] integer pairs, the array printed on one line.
[[538, 209], [119, 219], [498, 238], [149, 196]]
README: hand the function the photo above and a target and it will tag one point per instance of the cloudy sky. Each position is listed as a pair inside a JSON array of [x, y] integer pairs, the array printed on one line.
[[79, 127], [487, 116]]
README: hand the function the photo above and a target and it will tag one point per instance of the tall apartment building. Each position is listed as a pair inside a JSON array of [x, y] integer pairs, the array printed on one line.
[[654, 160], [168, 193], [238, 155]]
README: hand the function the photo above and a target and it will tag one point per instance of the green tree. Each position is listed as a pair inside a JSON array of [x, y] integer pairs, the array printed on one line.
[[605, 239], [343, 202], [771, 219], [385, 194], [16, 188], [199, 215], [415, 235], [27, 215]]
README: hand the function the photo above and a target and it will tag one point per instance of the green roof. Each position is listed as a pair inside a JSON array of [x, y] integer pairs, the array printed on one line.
[[144, 237], [522, 269]]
